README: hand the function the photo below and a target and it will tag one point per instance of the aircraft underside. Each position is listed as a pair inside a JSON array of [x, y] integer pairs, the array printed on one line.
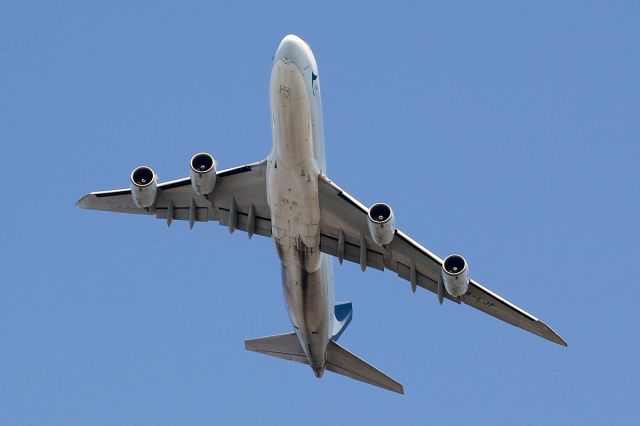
[[311, 220]]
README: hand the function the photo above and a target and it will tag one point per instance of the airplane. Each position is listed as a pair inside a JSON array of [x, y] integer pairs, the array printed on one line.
[[289, 198]]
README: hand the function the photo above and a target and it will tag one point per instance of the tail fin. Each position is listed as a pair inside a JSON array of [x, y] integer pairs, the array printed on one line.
[[339, 360], [343, 314]]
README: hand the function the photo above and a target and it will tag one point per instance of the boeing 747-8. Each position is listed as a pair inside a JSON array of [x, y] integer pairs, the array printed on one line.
[[289, 198]]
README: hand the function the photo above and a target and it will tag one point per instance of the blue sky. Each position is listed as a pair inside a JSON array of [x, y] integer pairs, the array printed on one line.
[[506, 131]]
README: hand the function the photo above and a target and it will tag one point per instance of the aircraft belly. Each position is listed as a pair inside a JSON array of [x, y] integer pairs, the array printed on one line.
[[307, 299], [292, 176], [292, 172]]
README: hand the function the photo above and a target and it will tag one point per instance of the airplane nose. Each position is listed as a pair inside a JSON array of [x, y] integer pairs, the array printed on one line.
[[294, 49]]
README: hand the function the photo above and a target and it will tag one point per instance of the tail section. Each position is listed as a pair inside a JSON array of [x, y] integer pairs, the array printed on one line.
[[339, 360], [343, 314]]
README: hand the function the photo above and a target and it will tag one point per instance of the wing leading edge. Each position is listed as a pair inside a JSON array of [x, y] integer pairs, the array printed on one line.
[[344, 234]]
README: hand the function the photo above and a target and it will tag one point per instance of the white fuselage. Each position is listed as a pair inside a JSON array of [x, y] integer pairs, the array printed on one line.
[[295, 161]]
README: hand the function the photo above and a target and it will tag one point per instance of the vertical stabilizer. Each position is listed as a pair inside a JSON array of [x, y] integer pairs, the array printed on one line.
[[343, 314]]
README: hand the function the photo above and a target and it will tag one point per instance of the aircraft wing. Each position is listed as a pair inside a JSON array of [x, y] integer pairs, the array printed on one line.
[[344, 234], [239, 201]]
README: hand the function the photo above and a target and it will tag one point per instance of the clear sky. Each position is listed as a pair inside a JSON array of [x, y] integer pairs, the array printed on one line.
[[506, 131]]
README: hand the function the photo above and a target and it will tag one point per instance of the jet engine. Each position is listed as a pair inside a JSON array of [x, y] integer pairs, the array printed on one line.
[[144, 187], [381, 224], [203, 173], [455, 275]]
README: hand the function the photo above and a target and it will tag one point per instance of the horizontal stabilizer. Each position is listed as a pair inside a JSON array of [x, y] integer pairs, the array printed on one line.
[[285, 346], [341, 361]]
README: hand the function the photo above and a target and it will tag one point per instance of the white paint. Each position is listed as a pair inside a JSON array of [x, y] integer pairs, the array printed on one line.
[[381, 223], [456, 275], [293, 166], [144, 191], [203, 179]]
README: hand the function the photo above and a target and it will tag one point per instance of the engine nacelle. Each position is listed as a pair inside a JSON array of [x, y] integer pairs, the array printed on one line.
[[203, 173], [144, 186], [455, 275], [381, 224]]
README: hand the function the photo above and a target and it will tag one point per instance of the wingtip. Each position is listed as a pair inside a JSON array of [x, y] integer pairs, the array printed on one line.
[[394, 386], [82, 202], [559, 340], [552, 336]]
